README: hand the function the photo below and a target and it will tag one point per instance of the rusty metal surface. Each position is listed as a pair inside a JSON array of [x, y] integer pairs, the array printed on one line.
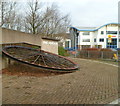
[[40, 58]]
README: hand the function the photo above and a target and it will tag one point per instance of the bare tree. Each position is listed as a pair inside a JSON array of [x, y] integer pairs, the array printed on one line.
[[54, 22], [33, 17], [19, 23], [8, 14], [3, 6], [48, 22]]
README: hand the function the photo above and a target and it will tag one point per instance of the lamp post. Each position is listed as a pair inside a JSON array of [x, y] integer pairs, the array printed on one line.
[[75, 42]]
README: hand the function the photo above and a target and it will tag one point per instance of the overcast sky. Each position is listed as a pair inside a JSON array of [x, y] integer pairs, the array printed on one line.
[[89, 12]]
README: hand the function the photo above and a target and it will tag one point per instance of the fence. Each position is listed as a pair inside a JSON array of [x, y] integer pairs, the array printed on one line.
[[96, 54]]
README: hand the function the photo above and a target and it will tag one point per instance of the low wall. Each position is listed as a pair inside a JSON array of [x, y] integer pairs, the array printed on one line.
[[5, 62], [12, 36], [1, 62], [52, 46], [8, 36]]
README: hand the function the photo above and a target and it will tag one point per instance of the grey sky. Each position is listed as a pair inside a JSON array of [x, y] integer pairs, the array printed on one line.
[[89, 12]]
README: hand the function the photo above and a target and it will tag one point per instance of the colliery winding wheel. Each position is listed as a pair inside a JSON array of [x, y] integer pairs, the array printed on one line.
[[39, 58]]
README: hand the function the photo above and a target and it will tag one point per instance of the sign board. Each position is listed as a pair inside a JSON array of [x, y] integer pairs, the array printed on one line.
[[109, 40], [109, 36], [113, 36]]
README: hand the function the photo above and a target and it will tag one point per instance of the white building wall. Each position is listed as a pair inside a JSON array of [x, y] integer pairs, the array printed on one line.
[[93, 36], [105, 35], [84, 37], [97, 35], [119, 37], [101, 36]]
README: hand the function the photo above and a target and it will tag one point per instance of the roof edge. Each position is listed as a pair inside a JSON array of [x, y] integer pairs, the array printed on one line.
[[93, 29]]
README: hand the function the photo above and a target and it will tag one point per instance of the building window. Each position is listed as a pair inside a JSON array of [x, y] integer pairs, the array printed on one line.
[[101, 40], [112, 32], [86, 33], [95, 40], [85, 46], [102, 32], [66, 44], [86, 40], [114, 42]]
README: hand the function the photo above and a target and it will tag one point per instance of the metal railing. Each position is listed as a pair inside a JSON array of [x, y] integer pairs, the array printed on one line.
[[97, 54]]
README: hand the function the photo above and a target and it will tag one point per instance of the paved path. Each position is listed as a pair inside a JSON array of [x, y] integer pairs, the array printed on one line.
[[94, 83]]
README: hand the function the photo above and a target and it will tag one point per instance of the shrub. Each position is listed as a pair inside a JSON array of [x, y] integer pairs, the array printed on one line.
[[91, 49], [35, 47], [62, 51], [106, 49]]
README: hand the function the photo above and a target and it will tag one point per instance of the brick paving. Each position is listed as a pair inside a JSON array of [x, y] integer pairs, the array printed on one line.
[[94, 83]]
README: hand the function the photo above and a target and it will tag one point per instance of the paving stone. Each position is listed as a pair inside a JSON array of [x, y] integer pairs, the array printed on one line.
[[94, 83]]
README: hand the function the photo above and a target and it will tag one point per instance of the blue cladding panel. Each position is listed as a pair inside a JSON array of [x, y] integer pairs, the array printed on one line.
[[72, 48], [93, 29]]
